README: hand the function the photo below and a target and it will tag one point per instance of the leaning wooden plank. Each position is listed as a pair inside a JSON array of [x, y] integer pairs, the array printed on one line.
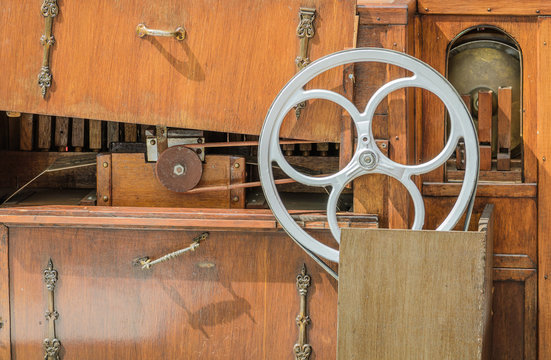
[[413, 295], [504, 115]]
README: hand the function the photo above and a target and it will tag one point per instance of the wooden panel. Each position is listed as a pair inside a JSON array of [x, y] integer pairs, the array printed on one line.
[[5, 324], [405, 294], [205, 304], [222, 77], [483, 7], [515, 222], [515, 314], [134, 184], [26, 132], [395, 12], [437, 32], [544, 187]]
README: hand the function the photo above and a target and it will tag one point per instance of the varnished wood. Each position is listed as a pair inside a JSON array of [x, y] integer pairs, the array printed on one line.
[[61, 133], [26, 132], [130, 133], [437, 32], [104, 182], [485, 128], [5, 323], [112, 132], [184, 84], [94, 135], [483, 190], [393, 12], [134, 184], [77, 134], [504, 117], [44, 132], [483, 7], [414, 294], [544, 187], [515, 314]]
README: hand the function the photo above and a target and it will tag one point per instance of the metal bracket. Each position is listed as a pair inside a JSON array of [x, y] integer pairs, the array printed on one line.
[[51, 344], [302, 349], [305, 31]]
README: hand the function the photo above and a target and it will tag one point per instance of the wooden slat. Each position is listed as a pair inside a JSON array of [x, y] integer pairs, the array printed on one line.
[[77, 134], [460, 152], [130, 133], [94, 136], [544, 187], [5, 324], [237, 176], [61, 137], [504, 116], [44, 132], [112, 132], [14, 124], [26, 132], [414, 295], [483, 7], [484, 190]]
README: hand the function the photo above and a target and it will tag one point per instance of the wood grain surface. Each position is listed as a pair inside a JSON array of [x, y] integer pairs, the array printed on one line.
[[484, 7], [413, 295], [544, 187], [234, 297], [223, 77], [5, 323]]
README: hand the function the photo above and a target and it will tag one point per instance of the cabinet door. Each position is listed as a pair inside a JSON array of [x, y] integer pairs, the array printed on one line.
[[236, 56], [234, 297]]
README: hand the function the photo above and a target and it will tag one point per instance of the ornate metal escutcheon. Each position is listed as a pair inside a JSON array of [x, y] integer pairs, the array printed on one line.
[[51, 344], [49, 10], [305, 31], [302, 349]]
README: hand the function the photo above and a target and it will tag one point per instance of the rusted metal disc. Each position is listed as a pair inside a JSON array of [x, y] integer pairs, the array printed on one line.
[[179, 168]]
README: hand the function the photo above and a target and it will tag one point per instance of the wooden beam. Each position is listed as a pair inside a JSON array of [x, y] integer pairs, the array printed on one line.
[[484, 7], [5, 325]]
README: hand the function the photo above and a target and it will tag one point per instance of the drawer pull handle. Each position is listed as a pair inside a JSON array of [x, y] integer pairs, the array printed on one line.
[[143, 31], [147, 263]]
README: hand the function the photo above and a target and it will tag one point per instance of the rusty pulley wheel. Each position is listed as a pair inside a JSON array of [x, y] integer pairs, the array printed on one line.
[[179, 169]]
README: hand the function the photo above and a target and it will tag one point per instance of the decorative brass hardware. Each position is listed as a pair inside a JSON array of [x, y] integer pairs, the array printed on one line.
[[147, 263], [52, 346], [49, 10], [143, 31], [305, 31], [302, 349]]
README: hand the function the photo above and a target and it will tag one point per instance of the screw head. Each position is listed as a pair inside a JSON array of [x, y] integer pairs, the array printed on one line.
[[179, 170], [105, 198], [105, 164], [152, 142], [236, 165]]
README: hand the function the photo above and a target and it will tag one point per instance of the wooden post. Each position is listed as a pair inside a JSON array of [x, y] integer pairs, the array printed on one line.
[[26, 132], [485, 128], [504, 102], [44, 132], [112, 133], [61, 133], [95, 135], [130, 133]]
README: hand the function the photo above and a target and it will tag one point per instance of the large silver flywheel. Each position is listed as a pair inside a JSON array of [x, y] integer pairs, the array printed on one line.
[[367, 159]]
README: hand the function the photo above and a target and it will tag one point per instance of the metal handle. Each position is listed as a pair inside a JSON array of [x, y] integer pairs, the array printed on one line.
[[146, 263], [143, 31]]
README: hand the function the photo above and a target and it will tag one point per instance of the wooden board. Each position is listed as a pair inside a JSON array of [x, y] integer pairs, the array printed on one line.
[[413, 295], [484, 7], [236, 57], [5, 324], [544, 188], [133, 183]]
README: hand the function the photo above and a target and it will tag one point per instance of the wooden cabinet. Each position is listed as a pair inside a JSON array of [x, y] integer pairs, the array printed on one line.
[[223, 76], [234, 297]]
